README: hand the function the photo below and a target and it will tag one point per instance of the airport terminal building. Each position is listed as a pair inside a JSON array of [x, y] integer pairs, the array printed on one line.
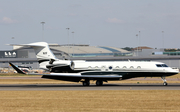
[[26, 55]]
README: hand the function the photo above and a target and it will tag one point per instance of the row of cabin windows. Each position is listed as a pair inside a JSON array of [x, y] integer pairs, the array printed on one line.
[[117, 67]]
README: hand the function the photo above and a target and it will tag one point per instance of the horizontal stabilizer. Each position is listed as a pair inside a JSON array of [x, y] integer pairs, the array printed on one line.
[[27, 45]]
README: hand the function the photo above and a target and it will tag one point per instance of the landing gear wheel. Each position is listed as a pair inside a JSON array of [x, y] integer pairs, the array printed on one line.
[[165, 83], [86, 83], [99, 83], [164, 79]]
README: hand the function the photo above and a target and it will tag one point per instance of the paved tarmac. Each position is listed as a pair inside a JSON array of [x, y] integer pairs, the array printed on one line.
[[57, 87]]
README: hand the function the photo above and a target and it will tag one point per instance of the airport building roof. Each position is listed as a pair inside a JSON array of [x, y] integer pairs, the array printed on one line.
[[89, 51], [83, 50]]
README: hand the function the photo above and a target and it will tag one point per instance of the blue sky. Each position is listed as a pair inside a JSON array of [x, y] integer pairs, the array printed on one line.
[[95, 22]]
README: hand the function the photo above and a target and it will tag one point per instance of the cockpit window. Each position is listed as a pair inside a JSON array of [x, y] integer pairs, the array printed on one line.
[[158, 65], [164, 65], [161, 65]]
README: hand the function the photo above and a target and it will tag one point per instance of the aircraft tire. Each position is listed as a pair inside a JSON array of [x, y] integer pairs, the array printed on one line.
[[99, 83], [165, 83], [86, 83]]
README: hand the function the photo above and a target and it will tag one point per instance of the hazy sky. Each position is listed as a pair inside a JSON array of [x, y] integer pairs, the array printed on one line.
[[95, 22]]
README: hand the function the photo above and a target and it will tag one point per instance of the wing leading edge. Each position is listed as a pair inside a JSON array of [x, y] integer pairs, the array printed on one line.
[[58, 76]]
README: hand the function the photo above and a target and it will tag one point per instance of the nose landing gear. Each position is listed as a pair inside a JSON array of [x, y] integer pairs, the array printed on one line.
[[164, 79]]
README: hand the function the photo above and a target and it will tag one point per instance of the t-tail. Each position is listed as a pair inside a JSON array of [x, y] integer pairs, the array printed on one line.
[[43, 53]]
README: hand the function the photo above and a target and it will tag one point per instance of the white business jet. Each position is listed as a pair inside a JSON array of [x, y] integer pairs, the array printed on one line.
[[101, 71]]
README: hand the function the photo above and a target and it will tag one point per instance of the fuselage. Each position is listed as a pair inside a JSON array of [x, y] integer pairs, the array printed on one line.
[[127, 69]]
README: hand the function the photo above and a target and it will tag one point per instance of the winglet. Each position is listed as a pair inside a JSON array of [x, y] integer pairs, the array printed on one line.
[[16, 68]]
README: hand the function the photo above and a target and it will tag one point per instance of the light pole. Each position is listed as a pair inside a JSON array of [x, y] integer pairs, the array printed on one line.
[[73, 42], [12, 39], [137, 43], [42, 30], [139, 39], [68, 39], [163, 39]]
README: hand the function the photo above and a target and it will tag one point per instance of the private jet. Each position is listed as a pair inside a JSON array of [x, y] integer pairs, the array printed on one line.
[[100, 71]]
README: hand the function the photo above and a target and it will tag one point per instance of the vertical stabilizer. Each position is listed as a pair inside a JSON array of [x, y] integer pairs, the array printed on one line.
[[42, 51]]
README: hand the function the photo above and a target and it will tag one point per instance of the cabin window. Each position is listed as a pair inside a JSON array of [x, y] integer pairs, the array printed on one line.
[[124, 67], [89, 67], [103, 68], [138, 67], [96, 67], [117, 67], [131, 67]]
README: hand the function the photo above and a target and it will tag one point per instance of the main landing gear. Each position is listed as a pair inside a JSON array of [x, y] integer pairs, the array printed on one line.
[[164, 79], [99, 83], [87, 83]]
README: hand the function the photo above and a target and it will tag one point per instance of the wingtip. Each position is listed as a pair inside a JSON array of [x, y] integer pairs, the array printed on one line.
[[16, 68]]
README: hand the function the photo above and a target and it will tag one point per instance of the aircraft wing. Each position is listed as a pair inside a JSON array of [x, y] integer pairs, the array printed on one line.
[[75, 77], [79, 75]]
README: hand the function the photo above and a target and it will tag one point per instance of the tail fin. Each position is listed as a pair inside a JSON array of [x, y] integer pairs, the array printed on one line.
[[42, 51]]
